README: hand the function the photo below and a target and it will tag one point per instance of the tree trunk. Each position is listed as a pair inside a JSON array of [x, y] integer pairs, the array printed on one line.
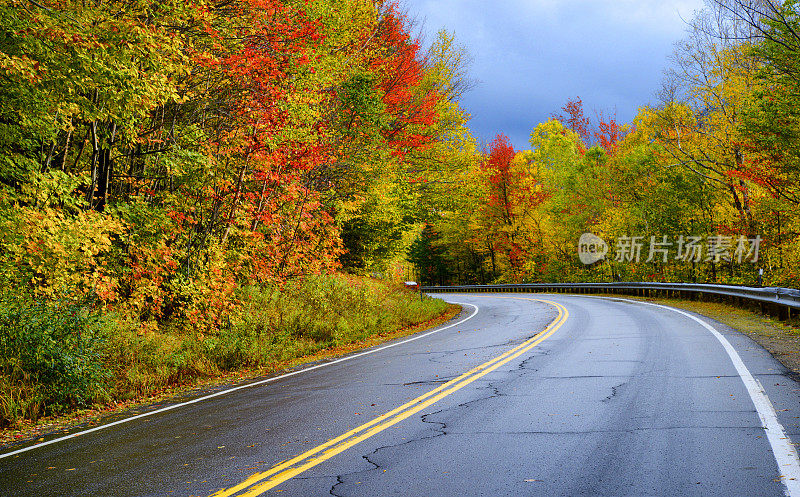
[[235, 203], [106, 170], [66, 151], [95, 157]]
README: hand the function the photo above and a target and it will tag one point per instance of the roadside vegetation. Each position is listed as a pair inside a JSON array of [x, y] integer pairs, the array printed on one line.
[[56, 357]]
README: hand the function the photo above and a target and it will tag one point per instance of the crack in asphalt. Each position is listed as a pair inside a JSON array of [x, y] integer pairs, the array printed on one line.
[[615, 391], [632, 361], [508, 343], [442, 355], [339, 481], [580, 377], [340, 478], [439, 431], [440, 428], [523, 366], [423, 382]]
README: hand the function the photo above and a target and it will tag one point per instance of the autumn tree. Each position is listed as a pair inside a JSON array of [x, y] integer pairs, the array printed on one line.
[[573, 118], [699, 122], [508, 220], [202, 146]]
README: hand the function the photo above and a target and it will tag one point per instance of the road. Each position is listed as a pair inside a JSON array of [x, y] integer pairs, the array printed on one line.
[[573, 396]]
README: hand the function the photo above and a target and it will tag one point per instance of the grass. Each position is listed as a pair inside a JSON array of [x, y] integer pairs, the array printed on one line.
[[123, 363]]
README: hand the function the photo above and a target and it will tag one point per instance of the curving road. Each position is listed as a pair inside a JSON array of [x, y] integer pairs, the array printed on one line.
[[574, 396]]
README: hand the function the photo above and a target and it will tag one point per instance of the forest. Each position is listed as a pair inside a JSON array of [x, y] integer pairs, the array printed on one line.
[[186, 187], [702, 186]]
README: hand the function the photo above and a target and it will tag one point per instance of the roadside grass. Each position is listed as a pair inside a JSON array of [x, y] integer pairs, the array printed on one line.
[[87, 363]]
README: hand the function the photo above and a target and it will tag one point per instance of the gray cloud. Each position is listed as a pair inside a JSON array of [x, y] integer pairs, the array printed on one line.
[[530, 56]]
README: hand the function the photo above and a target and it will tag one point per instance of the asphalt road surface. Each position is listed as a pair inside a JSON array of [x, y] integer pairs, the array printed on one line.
[[575, 396]]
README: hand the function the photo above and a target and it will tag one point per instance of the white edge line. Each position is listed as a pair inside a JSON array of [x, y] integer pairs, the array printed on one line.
[[782, 448], [241, 387]]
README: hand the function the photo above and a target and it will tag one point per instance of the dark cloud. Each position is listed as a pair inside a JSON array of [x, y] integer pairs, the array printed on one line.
[[530, 56]]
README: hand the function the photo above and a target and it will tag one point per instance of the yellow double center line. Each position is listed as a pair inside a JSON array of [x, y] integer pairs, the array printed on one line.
[[259, 483]]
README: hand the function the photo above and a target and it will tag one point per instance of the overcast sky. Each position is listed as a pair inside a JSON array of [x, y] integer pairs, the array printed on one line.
[[530, 56]]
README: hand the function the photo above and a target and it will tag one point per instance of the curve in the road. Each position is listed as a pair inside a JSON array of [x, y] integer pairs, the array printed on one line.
[[260, 483], [624, 399]]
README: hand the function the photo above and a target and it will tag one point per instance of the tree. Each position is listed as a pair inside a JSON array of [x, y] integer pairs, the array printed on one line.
[[574, 119], [699, 128], [429, 258], [508, 221]]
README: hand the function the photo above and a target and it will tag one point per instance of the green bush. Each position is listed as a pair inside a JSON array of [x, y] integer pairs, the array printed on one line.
[[50, 357]]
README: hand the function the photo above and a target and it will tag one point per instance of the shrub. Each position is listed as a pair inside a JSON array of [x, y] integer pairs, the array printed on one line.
[[50, 357], [57, 356]]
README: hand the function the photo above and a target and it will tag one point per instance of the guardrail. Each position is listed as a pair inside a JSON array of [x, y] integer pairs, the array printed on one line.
[[783, 302]]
